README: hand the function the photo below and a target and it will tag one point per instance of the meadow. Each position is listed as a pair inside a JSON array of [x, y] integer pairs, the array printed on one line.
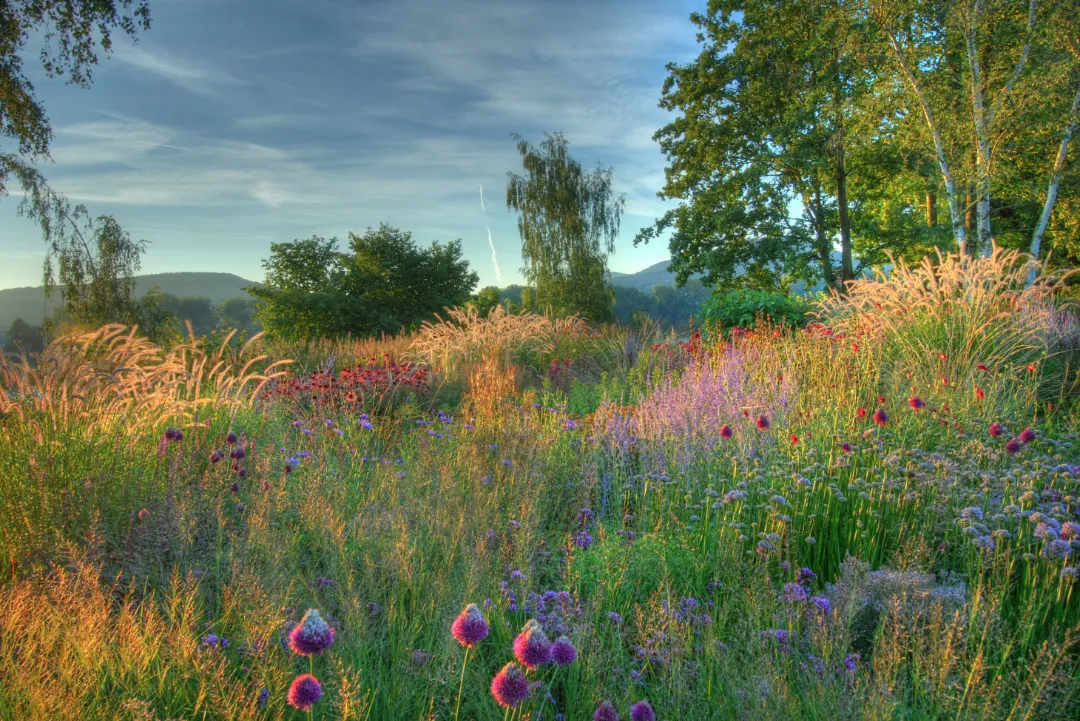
[[875, 516]]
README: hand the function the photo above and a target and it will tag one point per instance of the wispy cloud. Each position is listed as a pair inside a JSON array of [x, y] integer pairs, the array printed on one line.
[[191, 76]]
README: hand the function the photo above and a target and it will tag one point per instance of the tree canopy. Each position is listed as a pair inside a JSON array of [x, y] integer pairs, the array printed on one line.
[[568, 225], [383, 283]]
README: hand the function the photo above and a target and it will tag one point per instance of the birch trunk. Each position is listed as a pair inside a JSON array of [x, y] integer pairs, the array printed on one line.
[[1055, 181]]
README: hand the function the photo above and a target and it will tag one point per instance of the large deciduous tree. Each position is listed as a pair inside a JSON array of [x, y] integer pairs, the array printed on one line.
[[568, 225], [74, 29], [384, 282]]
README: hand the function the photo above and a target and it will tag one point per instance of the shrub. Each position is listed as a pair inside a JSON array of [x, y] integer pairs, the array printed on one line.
[[745, 308]]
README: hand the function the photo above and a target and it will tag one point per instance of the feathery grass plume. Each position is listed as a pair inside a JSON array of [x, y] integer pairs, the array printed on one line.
[[312, 635], [111, 378], [510, 687], [304, 692], [532, 647], [470, 627]]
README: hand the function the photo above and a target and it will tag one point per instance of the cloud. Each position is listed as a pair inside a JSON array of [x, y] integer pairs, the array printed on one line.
[[193, 77]]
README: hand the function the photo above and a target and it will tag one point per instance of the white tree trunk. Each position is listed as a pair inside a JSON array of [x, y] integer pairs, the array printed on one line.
[[955, 214], [1055, 181], [982, 134]]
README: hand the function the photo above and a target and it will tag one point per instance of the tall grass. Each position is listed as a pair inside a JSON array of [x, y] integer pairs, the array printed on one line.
[[942, 567]]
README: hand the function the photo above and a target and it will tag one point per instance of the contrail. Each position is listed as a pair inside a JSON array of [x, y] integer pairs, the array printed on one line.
[[494, 258]]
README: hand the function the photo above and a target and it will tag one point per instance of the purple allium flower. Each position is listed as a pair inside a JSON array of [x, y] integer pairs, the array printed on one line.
[[1027, 435], [510, 687], [312, 635], [532, 647], [995, 429], [238, 454], [845, 447], [242, 472], [304, 692], [231, 439], [606, 712], [762, 424], [1012, 447], [171, 434], [642, 711], [881, 417], [563, 652], [216, 456], [916, 403], [235, 488], [725, 432], [470, 627]]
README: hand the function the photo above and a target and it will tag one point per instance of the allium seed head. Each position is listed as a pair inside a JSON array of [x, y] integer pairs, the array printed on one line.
[[470, 627], [563, 652], [304, 692], [606, 712], [312, 635], [532, 647], [642, 711], [510, 687]]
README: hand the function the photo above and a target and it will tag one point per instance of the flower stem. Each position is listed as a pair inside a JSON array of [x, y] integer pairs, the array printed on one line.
[[461, 684]]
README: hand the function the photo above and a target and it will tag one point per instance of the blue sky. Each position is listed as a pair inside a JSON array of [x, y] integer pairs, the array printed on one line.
[[232, 124]]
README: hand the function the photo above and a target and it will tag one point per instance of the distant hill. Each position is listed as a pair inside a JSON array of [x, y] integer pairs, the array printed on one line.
[[644, 280], [29, 303]]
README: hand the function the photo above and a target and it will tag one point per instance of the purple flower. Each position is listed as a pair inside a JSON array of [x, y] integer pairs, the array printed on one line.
[[563, 652], [852, 662], [642, 711], [762, 424], [304, 692], [805, 576], [725, 433], [470, 627], [606, 712], [822, 604], [995, 430], [510, 687], [916, 403], [881, 417], [532, 647], [583, 540], [231, 439], [264, 698], [1012, 447], [312, 635], [794, 593], [1027, 436]]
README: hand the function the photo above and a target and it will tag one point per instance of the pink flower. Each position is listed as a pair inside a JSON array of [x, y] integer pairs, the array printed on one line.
[[532, 647], [470, 627], [312, 635], [761, 422], [995, 430], [726, 432], [304, 692], [510, 687]]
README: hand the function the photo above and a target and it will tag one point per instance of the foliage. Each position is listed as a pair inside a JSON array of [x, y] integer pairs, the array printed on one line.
[[485, 299], [22, 335], [196, 310], [745, 308], [72, 31], [96, 279], [383, 283], [237, 312], [565, 214]]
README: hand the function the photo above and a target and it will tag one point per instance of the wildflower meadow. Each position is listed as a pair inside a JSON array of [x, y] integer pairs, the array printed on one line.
[[875, 516]]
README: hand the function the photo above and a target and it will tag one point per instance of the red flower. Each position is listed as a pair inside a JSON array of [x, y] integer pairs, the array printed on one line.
[[880, 417], [862, 413], [943, 357], [1031, 367], [982, 368], [916, 403], [979, 393], [881, 400], [794, 439]]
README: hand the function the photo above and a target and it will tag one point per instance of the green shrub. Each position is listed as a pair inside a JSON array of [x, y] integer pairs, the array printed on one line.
[[744, 308]]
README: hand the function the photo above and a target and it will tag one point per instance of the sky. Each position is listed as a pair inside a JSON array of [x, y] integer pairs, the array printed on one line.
[[234, 124]]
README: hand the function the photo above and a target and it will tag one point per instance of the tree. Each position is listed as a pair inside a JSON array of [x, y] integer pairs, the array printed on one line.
[[382, 284], [95, 274], [198, 310], [22, 335], [70, 49], [568, 225], [303, 295], [395, 284], [485, 299], [236, 313]]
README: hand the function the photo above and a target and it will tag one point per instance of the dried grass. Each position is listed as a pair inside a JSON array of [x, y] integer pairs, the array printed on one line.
[[98, 379]]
